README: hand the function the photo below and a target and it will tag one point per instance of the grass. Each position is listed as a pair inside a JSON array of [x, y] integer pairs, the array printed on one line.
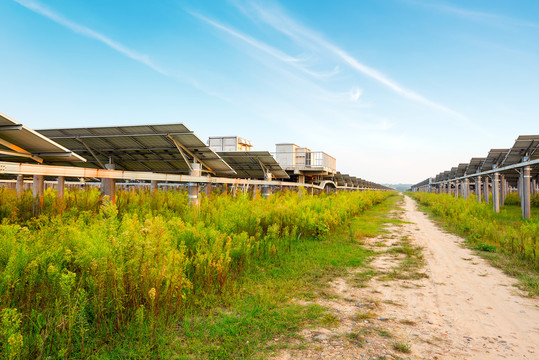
[[371, 224], [357, 338], [365, 315], [402, 347], [409, 267], [275, 290], [151, 278], [361, 278], [504, 238]]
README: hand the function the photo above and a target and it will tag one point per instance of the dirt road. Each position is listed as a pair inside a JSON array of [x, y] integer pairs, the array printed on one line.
[[425, 297]]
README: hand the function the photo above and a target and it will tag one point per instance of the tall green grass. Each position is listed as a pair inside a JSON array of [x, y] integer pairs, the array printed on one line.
[[86, 274], [506, 231]]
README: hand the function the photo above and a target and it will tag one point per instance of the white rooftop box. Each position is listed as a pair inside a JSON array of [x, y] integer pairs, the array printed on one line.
[[229, 143]]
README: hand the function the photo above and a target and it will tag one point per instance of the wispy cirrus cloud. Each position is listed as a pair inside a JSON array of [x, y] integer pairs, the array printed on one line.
[[118, 47], [86, 31], [270, 50], [282, 22], [475, 15]]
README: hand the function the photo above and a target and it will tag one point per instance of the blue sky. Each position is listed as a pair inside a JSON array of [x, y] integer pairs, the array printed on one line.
[[395, 90]]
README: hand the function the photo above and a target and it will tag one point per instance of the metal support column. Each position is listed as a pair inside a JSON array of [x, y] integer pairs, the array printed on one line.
[[486, 190], [108, 186], [61, 187], [196, 170], [466, 189], [496, 192], [526, 198], [38, 189], [503, 189], [20, 184], [266, 189], [209, 189], [478, 188]]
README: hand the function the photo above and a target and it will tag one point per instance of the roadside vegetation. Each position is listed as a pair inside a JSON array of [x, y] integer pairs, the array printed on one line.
[[507, 240], [150, 277]]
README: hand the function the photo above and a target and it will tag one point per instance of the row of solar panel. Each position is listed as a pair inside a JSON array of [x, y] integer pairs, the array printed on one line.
[[526, 148], [166, 148]]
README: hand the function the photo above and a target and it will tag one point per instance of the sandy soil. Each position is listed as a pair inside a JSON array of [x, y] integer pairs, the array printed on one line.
[[459, 307]]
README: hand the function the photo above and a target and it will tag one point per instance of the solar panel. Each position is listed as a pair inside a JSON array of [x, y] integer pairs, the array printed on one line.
[[18, 142], [348, 180], [253, 164], [461, 169], [474, 165], [340, 179], [158, 148], [525, 146], [495, 157]]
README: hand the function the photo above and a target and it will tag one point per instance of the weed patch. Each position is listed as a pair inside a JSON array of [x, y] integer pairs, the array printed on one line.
[[150, 277]]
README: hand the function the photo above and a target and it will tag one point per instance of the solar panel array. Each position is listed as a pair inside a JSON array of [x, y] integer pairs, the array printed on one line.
[[161, 148], [253, 164], [526, 148], [158, 148], [18, 142]]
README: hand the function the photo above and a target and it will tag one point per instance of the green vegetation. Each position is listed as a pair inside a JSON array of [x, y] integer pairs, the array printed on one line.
[[505, 238], [402, 347], [151, 277]]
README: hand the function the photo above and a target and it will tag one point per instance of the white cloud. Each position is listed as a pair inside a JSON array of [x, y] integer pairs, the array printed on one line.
[[274, 52], [122, 49], [477, 15], [355, 93], [279, 20], [85, 31]]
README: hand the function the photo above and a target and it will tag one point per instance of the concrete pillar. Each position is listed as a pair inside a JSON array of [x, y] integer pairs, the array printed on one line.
[[486, 190], [503, 189], [108, 186], [496, 192], [196, 170], [457, 188], [38, 188], [266, 191], [525, 199], [193, 194], [153, 186], [20, 184], [519, 185], [466, 189], [61, 187], [534, 187], [478, 188], [254, 189], [209, 189]]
